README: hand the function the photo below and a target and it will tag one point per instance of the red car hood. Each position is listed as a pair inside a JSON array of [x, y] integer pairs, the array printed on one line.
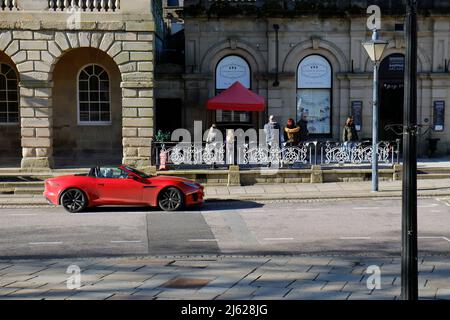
[[174, 179]]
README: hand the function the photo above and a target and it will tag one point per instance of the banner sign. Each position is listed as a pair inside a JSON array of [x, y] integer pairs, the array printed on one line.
[[231, 69], [314, 72], [357, 114], [439, 115]]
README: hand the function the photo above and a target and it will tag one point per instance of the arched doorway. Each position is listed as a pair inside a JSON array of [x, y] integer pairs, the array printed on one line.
[[87, 109], [10, 135], [391, 92]]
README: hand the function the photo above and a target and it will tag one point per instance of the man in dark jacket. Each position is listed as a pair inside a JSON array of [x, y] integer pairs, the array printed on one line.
[[349, 134]]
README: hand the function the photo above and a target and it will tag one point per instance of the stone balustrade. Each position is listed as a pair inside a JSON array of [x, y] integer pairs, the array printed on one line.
[[8, 5], [85, 5]]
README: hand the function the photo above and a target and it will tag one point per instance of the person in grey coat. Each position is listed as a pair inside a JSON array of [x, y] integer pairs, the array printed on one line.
[[272, 129]]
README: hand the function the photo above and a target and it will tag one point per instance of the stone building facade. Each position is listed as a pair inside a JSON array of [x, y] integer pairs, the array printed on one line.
[[76, 82], [326, 37]]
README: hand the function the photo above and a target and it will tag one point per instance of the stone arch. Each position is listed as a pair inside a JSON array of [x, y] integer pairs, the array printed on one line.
[[423, 58], [325, 48], [228, 47], [10, 133], [97, 142]]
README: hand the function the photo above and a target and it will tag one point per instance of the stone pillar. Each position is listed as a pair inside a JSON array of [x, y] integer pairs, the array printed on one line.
[[37, 124], [137, 122]]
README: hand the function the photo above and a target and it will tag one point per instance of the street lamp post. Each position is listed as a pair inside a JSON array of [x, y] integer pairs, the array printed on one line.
[[409, 199], [375, 49]]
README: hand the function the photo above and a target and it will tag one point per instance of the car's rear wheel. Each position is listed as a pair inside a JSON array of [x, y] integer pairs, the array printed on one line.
[[74, 200], [170, 199]]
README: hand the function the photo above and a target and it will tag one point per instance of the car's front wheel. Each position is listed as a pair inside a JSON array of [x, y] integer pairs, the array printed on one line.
[[171, 199], [74, 200]]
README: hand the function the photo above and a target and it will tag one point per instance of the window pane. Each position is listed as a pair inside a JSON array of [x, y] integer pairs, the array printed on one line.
[[83, 85], [95, 107], [84, 96], [13, 117], [84, 116], [104, 96], [12, 85], [104, 86], [90, 70], [104, 107], [104, 76], [2, 95], [94, 96], [3, 117], [3, 107], [105, 116], [2, 82], [11, 75], [93, 83], [5, 68], [13, 107], [95, 116], [315, 105], [84, 75], [84, 107], [12, 95]]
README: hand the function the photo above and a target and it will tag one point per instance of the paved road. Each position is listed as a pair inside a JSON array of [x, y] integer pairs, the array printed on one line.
[[362, 227]]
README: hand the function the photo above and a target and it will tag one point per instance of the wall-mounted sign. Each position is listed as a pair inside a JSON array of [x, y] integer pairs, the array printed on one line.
[[231, 69], [439, 115], [314, 72], [356, 113]]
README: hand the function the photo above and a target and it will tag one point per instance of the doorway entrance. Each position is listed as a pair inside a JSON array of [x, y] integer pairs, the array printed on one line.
[[391, 90]]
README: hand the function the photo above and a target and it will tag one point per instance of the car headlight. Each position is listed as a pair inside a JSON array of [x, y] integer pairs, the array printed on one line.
[[53, 183], [191, 184]]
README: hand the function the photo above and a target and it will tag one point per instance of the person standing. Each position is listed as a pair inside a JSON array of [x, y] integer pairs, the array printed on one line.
[[291, 133], [229, 141], [303, 125], [349, 134], [272, 130]]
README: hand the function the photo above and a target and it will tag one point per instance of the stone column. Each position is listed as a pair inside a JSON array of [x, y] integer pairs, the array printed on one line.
[[137, 122], [37, 123]]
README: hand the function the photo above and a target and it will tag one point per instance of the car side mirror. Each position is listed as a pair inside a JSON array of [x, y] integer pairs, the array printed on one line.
[[131, 176]]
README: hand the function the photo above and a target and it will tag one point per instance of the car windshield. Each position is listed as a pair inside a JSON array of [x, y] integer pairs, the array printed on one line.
[[139, 173]]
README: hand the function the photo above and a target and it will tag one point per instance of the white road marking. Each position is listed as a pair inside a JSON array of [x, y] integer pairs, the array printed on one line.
[[44, 243], [428, 205], [354, 238], [126, 241], [278, 239], [203, 240], [434, 238], [445, 201]]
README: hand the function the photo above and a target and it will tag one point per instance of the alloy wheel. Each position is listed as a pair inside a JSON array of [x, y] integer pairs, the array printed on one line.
[[170, 199], [73, 200]]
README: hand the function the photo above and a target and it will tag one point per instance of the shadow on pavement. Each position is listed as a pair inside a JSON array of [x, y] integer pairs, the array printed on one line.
[[207, 206]]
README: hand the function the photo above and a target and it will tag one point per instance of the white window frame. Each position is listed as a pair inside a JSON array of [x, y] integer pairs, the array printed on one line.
[[10, 123], [93, 123]]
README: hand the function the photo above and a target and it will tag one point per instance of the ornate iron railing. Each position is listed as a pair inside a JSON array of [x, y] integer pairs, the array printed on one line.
[[357, 154], [308, 153]]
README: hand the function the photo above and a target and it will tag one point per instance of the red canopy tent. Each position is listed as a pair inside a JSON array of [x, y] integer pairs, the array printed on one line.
[[237, 98]]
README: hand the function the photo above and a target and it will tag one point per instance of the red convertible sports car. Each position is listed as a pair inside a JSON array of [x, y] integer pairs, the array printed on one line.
[[121, 185]]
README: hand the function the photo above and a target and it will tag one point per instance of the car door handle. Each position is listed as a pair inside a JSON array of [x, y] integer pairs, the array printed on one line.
[[101, 184]]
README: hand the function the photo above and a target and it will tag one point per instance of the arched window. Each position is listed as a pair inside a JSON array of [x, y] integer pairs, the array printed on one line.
[[9, 105], [314, 94], [94, 105], [229, 70]]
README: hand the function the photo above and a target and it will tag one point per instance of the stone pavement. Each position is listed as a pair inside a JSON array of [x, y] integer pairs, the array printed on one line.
[[302, 191], [219, 277]]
